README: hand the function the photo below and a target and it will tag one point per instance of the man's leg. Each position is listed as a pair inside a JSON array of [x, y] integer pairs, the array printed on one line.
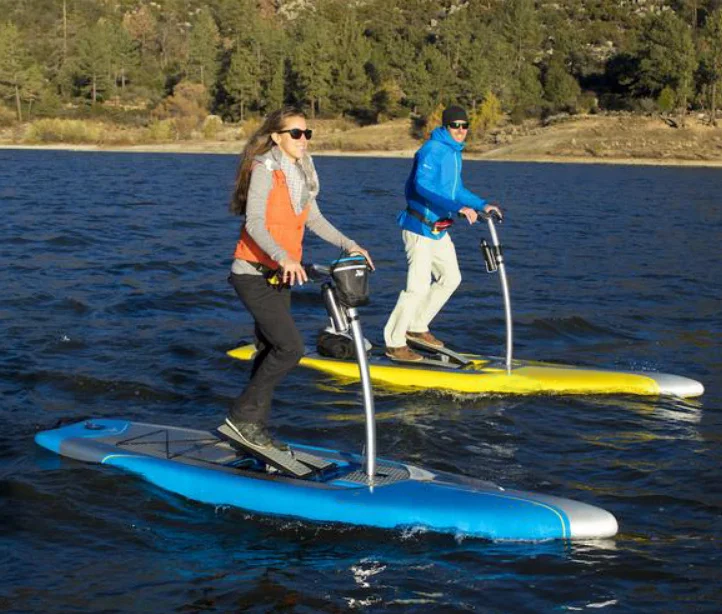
[[447, 277], [418, 281]]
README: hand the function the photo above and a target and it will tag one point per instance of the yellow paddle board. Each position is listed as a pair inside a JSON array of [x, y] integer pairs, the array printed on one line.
[[489, 375]]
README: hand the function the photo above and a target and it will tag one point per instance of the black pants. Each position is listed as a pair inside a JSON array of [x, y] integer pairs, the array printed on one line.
[[280, 345]]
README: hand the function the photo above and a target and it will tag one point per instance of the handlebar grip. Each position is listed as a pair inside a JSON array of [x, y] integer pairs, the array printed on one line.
[[492, 215]]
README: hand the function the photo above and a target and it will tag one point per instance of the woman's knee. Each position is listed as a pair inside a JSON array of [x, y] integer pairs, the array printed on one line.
[[292, 349]]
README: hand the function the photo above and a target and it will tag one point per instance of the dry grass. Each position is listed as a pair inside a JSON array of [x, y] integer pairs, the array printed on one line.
[[612, 138], [594, 138], [390, 136]]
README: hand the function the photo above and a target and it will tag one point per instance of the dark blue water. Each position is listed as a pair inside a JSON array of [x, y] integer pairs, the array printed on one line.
[[115, 303]]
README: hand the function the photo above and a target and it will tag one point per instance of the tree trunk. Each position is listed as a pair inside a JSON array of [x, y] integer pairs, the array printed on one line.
[[17, 103], [65, 30], [242, 110], [713, 110], [94, 91]]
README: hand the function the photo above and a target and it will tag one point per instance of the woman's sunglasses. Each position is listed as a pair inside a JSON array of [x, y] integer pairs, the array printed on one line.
[[458, 125], [297, 133]]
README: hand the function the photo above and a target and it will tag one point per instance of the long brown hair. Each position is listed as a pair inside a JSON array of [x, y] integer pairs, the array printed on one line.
[[259, 143]]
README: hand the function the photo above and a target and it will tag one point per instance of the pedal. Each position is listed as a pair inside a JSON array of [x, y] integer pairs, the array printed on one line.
[[283, 461], [317, 463], [443, 353], [422, 345]]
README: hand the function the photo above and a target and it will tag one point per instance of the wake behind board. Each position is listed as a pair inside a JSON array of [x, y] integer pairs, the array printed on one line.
[[203, 467], [484, 374]]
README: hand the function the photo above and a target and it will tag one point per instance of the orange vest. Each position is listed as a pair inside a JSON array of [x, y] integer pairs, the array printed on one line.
[[282, 223]]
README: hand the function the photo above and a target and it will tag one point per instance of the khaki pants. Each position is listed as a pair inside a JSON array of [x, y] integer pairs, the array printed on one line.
[[432, 278]]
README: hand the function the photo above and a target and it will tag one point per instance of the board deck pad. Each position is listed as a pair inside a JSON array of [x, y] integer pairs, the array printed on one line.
[[432, 362], [290, 462]]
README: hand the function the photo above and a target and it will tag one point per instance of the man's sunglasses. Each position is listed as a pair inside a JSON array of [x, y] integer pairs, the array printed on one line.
[[297, 133], [458, 125]]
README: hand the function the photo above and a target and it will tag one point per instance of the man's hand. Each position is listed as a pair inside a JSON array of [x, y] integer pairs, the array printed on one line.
[[494, 207], [469, 214]]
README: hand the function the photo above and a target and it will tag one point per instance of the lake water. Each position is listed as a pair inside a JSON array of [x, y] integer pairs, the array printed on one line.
[[115, 303]]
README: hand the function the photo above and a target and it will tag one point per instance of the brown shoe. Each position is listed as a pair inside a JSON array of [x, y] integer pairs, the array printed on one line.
[[426, 339], [404, 353]]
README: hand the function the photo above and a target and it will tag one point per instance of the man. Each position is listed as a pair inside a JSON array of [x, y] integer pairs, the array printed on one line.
[[434, 193]]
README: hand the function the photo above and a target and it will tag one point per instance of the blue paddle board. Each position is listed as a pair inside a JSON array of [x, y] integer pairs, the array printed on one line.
[[204, 467]]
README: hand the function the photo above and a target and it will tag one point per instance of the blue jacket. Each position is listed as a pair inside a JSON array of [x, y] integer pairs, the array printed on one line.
[[434, 187]]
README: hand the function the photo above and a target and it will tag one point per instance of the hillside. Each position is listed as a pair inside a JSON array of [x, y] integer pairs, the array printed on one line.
[[592, 138]]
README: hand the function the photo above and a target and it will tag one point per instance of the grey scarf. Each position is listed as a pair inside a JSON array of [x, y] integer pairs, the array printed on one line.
[[301, 178]]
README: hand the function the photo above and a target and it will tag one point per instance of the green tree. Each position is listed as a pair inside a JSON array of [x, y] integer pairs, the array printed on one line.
[[560, 88], [203, 50], [522, 31], [430, 81], [242, 78], [712, 56], [526, 90], [666, 99], [93, 60], [386, 100], [313, 62], [464, 40], [272, 52], [273, 92], [666, 57], [351, 91], [124, 55], [20, 77]]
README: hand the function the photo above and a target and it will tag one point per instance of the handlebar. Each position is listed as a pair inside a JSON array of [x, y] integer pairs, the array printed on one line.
[[316, 272], [493, 216]]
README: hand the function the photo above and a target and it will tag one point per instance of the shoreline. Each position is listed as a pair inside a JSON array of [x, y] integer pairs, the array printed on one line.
[[227, 148]]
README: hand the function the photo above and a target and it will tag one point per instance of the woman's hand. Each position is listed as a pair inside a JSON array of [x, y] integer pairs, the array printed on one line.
[[470, 214], [293, 272], [360, 250]]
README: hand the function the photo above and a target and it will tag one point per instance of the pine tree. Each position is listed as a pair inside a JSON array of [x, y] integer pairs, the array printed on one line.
[[124, 55], [351, 91], [13, 63], [203, 50], [242, 78], [712, 54], [313, 63], [666, 57], [274, 90], [93, 60], [560, 88], [521, 28]]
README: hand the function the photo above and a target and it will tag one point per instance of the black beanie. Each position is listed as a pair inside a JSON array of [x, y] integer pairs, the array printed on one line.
[[453, 114]]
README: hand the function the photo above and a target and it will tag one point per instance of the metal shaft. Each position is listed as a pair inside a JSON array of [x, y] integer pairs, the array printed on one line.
[[505, 291], [337, 315], [363, 367]]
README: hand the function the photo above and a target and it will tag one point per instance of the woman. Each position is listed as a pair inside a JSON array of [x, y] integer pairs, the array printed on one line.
[[276, 188]]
